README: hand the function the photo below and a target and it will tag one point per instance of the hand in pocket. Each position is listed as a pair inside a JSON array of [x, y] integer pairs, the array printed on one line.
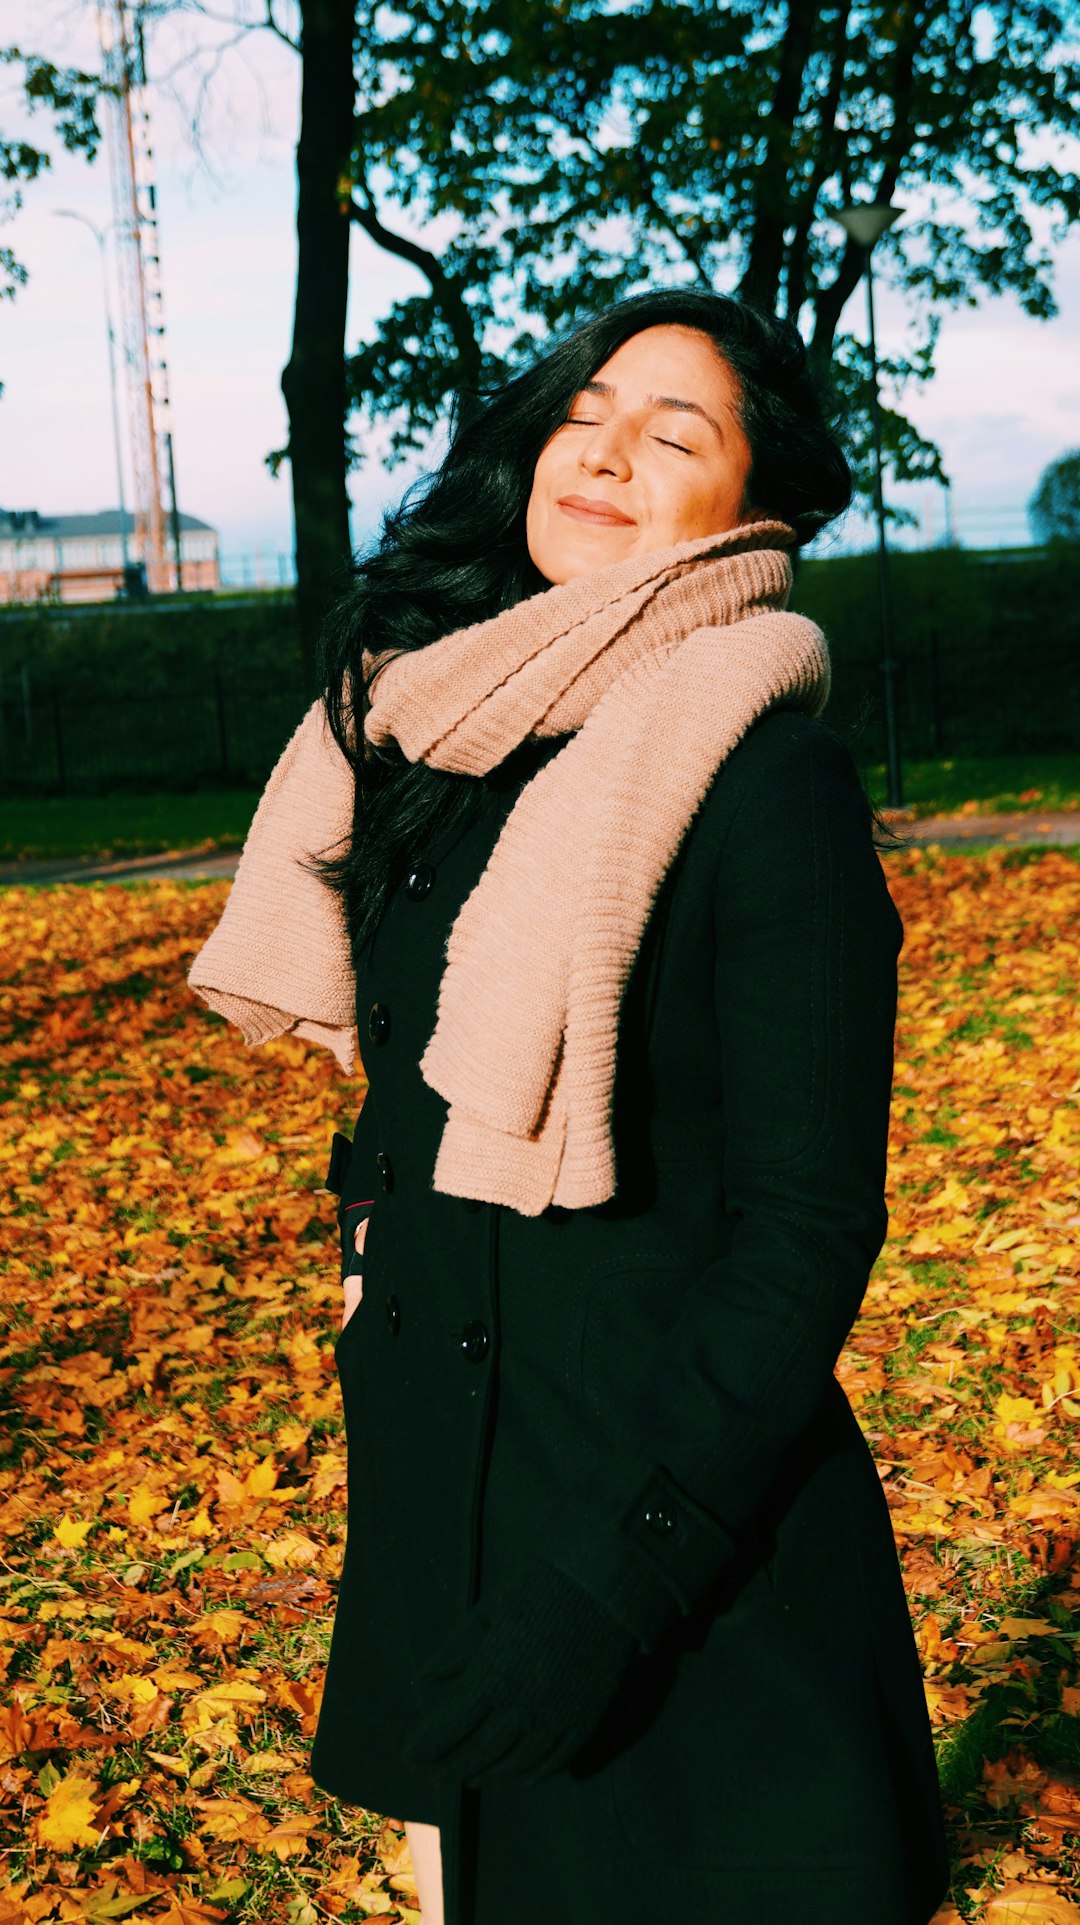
[[353, 1285]]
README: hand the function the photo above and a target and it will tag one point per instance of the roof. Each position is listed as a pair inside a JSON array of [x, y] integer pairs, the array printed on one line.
[[29, 523]]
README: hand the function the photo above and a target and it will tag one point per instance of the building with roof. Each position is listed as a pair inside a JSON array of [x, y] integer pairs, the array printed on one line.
[[80, 558]]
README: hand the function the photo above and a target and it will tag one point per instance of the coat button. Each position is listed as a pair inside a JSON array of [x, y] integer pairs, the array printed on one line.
[[386, 1171], [660, 1519], [474, 1342], [419, 881], [393, 1315], [378, 1023]]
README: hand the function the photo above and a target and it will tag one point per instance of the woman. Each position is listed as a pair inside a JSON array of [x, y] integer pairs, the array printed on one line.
[[621, 1621]]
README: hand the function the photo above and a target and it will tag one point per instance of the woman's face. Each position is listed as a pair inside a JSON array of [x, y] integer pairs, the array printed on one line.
[[651, 454]]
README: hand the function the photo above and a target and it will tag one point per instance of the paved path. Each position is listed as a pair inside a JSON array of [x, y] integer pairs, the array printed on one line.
[[183, 864], [1032, 828]]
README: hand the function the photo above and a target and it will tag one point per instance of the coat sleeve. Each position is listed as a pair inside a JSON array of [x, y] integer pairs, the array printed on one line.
[[807, 939]]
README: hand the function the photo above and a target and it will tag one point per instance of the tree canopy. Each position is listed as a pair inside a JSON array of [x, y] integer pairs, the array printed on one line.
[[525, 155], [71, 97], [1054, 508]]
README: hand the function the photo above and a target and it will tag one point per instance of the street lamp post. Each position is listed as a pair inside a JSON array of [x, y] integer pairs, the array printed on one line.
[[99, 233], [865, 223]]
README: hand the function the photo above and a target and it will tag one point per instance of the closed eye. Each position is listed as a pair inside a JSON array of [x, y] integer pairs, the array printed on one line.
[[589, 421]]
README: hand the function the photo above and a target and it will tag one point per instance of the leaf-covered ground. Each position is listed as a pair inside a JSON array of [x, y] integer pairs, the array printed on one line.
[[172, 1475]]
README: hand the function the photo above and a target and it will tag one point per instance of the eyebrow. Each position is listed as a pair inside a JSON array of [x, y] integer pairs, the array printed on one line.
[[660, 401]]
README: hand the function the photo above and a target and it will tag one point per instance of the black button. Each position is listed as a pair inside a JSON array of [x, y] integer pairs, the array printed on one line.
[[474, 1342], [386, 1171], [660, 1519], [420, 881], [473, 1202], [378, 1023], [393, 1315]]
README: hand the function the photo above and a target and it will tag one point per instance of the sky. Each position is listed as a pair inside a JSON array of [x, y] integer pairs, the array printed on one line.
[[1005, 399]]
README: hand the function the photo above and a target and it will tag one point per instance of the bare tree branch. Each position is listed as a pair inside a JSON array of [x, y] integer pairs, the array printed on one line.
[[444, 287]]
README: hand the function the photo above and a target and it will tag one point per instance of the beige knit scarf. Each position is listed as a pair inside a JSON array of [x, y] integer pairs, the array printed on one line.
[[658, 665]]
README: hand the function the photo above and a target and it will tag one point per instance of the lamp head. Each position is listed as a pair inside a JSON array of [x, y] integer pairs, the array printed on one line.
[[867, 221]]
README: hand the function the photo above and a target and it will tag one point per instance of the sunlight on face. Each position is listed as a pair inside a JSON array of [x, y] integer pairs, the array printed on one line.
[[651, 453]]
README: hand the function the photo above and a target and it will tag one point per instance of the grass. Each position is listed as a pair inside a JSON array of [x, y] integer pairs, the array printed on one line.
[[1003, 784], [122, 825], [60, 826]]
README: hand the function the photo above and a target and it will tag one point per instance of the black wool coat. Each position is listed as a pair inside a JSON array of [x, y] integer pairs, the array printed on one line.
[[517, 1384]]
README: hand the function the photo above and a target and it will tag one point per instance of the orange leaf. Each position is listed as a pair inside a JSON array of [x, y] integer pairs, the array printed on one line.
[[68, 1817]]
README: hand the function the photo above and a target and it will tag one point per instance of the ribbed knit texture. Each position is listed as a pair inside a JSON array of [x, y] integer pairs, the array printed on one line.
[[279, 958], [659, 665]]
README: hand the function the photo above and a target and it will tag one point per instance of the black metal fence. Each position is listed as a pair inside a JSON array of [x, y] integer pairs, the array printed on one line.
[[1018, 693], [57, 743]]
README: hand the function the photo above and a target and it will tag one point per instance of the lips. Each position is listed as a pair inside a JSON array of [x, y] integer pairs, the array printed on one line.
[[600, 513]]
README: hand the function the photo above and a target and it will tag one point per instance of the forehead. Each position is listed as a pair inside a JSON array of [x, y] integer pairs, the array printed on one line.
[[654, 358]]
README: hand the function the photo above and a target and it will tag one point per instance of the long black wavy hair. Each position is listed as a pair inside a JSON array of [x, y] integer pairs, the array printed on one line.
[[454, 551]]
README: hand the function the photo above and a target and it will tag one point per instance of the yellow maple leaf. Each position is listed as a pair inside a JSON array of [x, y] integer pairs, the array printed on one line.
[[372, 1903], [1026, 1628], [173, 1677], [291, 1551], [189, 1911], [71, 1533], [231, 1818], [240, 1146], [223, 1700], [269, 1761], [170, 1761], [230, 1489], [304, 1353], [1023, 1902], [68, 1817], [225, 1626], [261, 1479], [1014, 1410], [144, 1503], [392, 1847], [289, 1838], [330, 1474], [130, 1689]]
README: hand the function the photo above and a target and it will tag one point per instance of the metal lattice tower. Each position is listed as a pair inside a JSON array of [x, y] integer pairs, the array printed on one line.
[[142, 311]]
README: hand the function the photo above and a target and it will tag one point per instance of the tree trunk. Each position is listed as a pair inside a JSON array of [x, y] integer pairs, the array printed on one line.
[[765, 260], [313, 382], [831, 300], [797, 282]]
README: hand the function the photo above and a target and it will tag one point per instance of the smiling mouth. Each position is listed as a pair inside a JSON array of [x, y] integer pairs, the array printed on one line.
[[597, 512]]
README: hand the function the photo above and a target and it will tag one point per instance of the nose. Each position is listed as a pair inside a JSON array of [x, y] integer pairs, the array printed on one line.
[[604, 452]]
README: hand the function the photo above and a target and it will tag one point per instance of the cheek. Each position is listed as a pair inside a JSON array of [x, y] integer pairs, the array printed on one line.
[[538, 501], [709, 505], [541, 533], [685, 505], [543, 480]]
